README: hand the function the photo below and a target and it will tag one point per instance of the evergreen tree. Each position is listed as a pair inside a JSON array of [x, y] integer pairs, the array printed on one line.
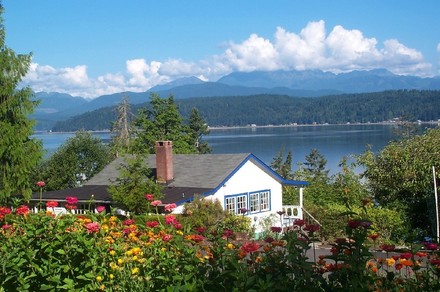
[[315, 165], [198, 128], [19, 153], [121, 132], [162, 121], [75, 162]]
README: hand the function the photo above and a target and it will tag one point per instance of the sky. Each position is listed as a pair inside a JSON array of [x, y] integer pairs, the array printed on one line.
[[91, 48]]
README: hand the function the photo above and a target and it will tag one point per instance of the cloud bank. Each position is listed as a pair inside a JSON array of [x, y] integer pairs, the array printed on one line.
[[340, 50]]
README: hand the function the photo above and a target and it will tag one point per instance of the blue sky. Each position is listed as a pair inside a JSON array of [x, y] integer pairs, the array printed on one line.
[[94, 47]]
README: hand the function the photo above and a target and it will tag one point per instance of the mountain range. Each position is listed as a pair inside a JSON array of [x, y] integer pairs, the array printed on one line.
[[309, 83]]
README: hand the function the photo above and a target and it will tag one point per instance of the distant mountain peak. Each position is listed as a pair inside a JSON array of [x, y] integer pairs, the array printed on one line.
[[191, 80]]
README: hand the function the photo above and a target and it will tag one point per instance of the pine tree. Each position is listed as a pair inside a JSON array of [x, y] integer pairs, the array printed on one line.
[[19, 153], [121, 128], [198, 128]]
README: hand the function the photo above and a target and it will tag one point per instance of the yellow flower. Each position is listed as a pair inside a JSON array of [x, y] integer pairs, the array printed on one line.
[[129, 252], [111, 276], [102, 287], [112, 252], [134, 271], [390, 262], [98, 278], [230, 246], [179, 232], [135, 258], [120, 261]]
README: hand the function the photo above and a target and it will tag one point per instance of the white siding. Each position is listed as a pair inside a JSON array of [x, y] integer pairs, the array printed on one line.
[[250, 179]]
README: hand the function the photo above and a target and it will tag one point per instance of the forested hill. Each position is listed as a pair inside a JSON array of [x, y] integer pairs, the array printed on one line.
[[280, 110]]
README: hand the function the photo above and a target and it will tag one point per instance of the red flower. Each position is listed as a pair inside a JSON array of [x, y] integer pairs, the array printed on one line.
[[353, 224], [430, 245], [170, 219], [156, 203], [22, 210], [228, 233], [40, 184], [299, 222], [406, 255], [70, 207], [149, 197], [373, 236], [250, 247], [4, 211], [72, 200], [200, 230], [170, 207], [93, 227], [100, 209], [269, 239], [6, 227], [152, 224], [276, 229], [197, 237], [52, 204], [312, 227], [388, 247], [177, 225]]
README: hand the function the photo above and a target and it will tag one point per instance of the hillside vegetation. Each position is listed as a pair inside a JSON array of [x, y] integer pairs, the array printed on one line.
[[280, 109]]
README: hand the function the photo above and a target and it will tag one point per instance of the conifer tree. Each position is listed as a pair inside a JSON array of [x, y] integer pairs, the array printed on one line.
[[19, 153]]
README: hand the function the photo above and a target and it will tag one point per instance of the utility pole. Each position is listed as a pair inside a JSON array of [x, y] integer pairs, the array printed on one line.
[[436, 204]]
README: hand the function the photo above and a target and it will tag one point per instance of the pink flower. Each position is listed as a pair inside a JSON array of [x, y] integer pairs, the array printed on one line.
[[170, 219], [156, 203], [6, 226], [128, 222], [22, 210], [72, 200], [100, 209], [170, 207], [52, 204], [93, 227], [152, 224], [167, 237], [40, 184], [177, 225], [149, 197], [197, 238]]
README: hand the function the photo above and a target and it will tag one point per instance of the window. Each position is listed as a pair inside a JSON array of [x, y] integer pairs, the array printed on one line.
[[252, 202], [259, 201], [230, 204]]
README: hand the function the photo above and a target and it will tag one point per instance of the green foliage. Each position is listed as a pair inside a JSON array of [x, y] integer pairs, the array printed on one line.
[[76, 161], [282, 168], [203, 212], [19, 153], [133, 183], [161, 122], [283, 110], [401, 174]]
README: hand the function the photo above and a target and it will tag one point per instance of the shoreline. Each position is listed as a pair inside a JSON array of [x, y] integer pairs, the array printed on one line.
[[389, 123]]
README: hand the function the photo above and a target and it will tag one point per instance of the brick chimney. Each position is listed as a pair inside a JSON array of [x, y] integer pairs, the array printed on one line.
[[164, 161]]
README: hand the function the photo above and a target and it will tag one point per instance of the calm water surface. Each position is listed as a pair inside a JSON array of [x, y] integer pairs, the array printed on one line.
[[333, 141]]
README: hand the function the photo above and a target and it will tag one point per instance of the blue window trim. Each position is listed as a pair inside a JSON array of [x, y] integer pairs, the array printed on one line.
[[248, 196]]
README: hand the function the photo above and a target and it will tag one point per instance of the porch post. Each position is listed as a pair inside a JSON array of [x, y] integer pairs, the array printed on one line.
[[301, 203]]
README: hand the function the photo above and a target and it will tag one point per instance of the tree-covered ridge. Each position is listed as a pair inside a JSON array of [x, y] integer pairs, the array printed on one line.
[[279, 109]]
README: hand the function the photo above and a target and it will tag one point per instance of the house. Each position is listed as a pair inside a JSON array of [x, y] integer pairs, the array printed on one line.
[[239, 181]]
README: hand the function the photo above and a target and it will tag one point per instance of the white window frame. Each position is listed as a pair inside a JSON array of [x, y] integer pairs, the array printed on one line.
[[259, 201]]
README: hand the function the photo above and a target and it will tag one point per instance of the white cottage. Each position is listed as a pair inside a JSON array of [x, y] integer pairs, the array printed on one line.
[[239, 181]]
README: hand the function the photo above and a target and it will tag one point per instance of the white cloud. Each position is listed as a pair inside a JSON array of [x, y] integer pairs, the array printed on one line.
[[340, 50]]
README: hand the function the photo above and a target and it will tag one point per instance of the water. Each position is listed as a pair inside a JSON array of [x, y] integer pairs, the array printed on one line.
[[333, 141]]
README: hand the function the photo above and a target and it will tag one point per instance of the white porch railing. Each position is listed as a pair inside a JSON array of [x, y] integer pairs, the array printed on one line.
[[294, 212]]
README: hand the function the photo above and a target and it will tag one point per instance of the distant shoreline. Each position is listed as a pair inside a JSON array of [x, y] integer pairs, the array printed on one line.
[[268, 126]]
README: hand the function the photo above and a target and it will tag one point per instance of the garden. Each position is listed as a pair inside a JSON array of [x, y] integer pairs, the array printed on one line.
[[166, 252]]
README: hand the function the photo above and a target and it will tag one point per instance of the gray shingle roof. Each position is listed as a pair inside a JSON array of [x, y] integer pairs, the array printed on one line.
[[190, 170]]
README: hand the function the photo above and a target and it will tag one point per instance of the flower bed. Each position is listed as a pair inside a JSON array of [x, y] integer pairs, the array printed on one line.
[[153, 253]]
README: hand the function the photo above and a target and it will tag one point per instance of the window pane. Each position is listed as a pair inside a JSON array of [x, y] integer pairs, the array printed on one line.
[[230, 205], [242, 202], [254, 205], [264, 199]]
